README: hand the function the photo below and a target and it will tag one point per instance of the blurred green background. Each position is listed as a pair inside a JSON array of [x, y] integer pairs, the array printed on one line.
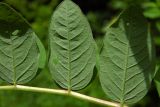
[[99, 13]]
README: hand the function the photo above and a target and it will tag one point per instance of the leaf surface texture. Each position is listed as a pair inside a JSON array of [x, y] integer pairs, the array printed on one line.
[[72, 48]]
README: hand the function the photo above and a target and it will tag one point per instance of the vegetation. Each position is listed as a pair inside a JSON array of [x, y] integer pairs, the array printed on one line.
[[124, 57]]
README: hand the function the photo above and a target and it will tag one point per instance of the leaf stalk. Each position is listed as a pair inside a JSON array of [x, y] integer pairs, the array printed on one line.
[[62, 92]]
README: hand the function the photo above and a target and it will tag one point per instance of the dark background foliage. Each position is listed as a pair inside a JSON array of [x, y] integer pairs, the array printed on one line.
[[99, 13]]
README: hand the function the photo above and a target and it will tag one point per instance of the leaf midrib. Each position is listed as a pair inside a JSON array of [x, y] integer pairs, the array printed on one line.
[[69, 54], [125, 66], [13, 65], [125, 71]]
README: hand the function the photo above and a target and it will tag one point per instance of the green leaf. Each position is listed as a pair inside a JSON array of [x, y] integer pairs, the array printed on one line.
[[152, 13], [157, 40], [19, 53], [158, 25], [99, 42], [157, 79], [72, 48], [127, 58], [152, 10], [42, 57]]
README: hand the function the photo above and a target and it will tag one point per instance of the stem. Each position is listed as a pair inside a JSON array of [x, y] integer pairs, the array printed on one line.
[[61, 92], [121, 104]]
